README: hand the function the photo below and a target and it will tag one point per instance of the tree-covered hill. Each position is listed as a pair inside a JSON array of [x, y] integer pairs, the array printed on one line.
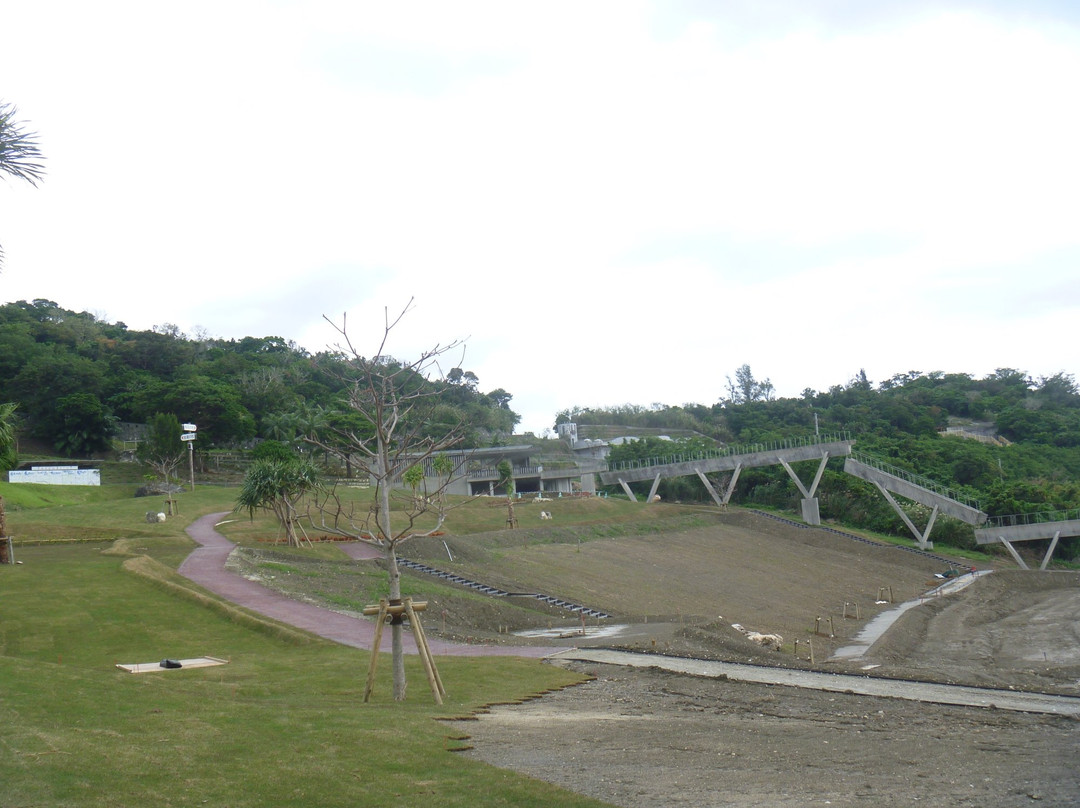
[[74, 376]]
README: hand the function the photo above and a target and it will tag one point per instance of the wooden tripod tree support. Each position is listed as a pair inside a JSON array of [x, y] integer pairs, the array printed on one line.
[[388, 612]]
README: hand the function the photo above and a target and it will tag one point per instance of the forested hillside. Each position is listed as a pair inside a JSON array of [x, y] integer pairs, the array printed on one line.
[[74, 378], [1014, 444]]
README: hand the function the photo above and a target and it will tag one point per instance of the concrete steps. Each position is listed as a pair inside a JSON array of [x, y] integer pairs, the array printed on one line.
[[450, 577]]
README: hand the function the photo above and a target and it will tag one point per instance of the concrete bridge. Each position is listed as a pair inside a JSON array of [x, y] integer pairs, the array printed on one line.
[[1053, 525], [735, 459], [890, 480]]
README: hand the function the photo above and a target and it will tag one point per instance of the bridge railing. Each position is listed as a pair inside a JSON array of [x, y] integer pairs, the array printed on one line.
[[727, 451], [916, 479], [1037, 518]]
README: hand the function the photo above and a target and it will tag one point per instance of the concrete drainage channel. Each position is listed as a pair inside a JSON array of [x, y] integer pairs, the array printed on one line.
[[501, 593]]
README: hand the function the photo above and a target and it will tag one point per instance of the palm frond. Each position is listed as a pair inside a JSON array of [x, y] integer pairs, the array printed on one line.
[[19, 153]]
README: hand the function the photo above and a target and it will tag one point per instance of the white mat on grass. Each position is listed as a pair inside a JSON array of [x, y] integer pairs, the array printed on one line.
[[197, 662]]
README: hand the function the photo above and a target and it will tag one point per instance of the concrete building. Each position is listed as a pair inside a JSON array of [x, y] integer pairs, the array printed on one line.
[[476, 472]]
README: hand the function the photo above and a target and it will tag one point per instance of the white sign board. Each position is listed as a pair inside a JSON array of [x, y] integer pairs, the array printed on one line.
[[190, 428], [57, 476], [188, 436]]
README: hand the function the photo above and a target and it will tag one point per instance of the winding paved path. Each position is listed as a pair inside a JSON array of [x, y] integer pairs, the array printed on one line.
[[206, 567]]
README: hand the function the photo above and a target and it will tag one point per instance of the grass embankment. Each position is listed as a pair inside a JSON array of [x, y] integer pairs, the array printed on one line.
[[282, 723]]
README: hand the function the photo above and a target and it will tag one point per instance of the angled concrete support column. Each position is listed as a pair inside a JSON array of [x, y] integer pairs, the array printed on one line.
[[627, 491], [810, 512], [652, 491], [712, 491], [921, 537], [807, 493], [1013, 553], [726, 498], [1050, 549], [731, 484]]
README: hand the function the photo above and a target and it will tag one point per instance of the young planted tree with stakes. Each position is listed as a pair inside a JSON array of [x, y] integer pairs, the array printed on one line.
[[279, 485], [393, 431]]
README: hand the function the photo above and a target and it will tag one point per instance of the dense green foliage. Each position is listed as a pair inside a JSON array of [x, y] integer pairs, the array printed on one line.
[[74, 376], [278, 485], [1019, 451]]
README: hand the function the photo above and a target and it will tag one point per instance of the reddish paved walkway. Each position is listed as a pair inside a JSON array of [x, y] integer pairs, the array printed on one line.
[[206, 567]]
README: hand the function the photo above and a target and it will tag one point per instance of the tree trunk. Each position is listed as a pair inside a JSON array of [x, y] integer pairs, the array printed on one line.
[[397, 639], [397, 645], [285, 519]]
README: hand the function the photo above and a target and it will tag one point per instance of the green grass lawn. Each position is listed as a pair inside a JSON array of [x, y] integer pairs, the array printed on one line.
[[282, 723]]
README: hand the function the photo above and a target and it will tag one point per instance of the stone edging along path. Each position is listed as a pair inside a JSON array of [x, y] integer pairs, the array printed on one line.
[[206, 567]]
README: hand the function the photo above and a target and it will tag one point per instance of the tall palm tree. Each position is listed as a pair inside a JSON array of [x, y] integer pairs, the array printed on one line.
[[19, 153]]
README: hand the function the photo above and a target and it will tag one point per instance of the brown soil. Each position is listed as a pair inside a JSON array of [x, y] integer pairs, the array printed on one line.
[[651, 739], [644, 737]]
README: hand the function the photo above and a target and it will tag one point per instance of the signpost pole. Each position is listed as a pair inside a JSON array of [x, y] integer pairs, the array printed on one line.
[[189, 438]]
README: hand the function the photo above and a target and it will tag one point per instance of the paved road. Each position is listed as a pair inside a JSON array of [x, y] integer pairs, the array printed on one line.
[[206, 567], [839, 683]]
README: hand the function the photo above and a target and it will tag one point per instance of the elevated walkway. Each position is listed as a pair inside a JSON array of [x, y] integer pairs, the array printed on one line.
[[891, 480], [735, 459], [1052, 525]]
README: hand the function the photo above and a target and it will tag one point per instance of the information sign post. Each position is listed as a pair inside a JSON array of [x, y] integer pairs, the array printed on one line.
[[189, 438]]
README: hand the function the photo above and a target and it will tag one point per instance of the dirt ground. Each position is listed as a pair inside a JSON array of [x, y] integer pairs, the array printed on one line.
[[650, 739], [644, 737]]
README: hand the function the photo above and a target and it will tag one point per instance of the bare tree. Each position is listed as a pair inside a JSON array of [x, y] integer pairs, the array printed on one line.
[[162, 450], [393, 431]]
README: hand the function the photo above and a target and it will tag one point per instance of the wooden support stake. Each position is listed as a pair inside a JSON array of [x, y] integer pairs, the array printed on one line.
[[386, 613], [424, 649], [375, 643]]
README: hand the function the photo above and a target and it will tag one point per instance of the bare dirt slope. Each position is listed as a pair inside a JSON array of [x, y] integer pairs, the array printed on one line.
[[688, 585]]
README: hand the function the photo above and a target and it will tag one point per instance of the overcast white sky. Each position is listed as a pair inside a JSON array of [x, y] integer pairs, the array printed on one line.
[[613, 202]]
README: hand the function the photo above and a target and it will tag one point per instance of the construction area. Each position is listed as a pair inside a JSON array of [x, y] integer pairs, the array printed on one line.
[[645, 736]]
